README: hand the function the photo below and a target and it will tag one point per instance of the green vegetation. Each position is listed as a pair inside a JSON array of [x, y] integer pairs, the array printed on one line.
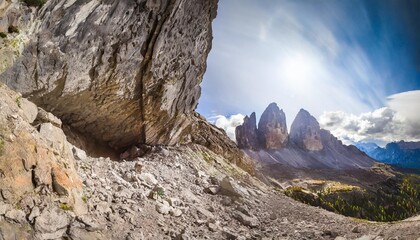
[[393, 200], [1, 147], [160, 193], [18, 99], [35, 3], [84, 199], [65, 207], [3, 35], [207, 157]]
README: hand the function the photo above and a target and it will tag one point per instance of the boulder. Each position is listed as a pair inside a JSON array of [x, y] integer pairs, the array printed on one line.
[[230, 188], [47, 117], [56, 139], [148, 178], [249, 221], [78, 153], [16, 215], [30, 110], [52, 223], [4, 208], [213, 189], [163, 208]]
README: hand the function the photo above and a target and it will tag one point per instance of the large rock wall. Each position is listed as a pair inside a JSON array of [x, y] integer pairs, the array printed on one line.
[[305, 132], [247, 133], [122, 71], [272, 128]]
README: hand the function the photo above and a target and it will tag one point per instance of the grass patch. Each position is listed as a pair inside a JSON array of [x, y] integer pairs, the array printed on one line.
[[65, 207], [393, 200], [1, 147], [207, 157], [18, 101]]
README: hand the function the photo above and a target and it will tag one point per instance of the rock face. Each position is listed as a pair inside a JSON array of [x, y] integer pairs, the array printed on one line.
[[16, 25], [271, 133], [205, 134], [33, 161], [134, 66], [305, 132], [246, 134], [272, 128], [307, 147]]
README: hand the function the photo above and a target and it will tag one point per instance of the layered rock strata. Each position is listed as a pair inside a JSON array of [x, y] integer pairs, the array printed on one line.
[[123, 72]]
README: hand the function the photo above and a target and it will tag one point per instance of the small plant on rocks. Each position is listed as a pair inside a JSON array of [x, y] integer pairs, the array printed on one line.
[[160, 193], [18, 99], [1, 146], [65, 207]]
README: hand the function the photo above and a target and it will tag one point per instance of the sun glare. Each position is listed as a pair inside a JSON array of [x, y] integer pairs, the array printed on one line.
[[298, 69]]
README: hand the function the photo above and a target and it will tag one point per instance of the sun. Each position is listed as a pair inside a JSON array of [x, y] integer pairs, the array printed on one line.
[[298, 68]]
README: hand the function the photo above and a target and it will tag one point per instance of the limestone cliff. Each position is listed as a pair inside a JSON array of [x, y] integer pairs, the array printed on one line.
[[305, 132], [247, 133], [272, 128], [122, 71]]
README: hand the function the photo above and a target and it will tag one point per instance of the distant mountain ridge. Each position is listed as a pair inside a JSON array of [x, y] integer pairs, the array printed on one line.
[[307, 147], [402, 154]]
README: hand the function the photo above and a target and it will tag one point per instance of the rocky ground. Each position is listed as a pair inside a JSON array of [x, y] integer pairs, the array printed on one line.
[[184, 193]]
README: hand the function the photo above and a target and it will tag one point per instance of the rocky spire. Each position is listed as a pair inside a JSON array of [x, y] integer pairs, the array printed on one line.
[[272, 128], [246, 134], [305, 132]]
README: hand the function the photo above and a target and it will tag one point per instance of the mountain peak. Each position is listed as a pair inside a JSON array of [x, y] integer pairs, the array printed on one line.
[[246, 134], [305, 131], [272, 128]]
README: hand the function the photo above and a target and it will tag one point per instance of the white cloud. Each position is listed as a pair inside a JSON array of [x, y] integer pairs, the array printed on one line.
[[398, 121], [228, 124]]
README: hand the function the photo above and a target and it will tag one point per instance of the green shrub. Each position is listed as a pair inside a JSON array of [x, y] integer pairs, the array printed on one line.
[[3, 35]]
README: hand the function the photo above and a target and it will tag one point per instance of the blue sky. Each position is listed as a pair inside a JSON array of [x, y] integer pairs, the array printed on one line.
[[350, 57]]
